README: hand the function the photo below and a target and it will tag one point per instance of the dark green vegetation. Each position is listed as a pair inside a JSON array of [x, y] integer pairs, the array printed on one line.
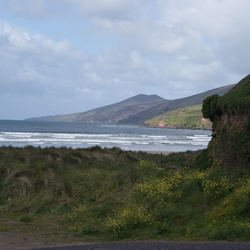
[[210, 109], [187, 117], [109, 194], [231, 124], [135, 110]]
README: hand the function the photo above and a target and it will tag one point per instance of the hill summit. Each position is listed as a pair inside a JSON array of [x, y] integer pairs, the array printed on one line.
[[134, 110], [113, 113]]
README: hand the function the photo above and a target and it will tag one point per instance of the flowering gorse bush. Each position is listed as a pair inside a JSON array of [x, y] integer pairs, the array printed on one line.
[[159, 191], [130, 217], [216, 188]]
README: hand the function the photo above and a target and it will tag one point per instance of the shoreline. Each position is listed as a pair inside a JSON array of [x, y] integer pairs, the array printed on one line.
[[183, 128], [156, 152]]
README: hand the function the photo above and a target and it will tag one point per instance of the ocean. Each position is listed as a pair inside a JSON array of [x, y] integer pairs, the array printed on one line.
[[83, 135]]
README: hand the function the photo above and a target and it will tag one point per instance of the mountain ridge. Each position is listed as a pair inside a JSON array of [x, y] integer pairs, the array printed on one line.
[[112, 113], [134, 110], [175, 104]]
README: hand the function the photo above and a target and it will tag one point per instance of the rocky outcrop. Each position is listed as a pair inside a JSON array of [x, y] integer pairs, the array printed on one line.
[[231, 140], [205, 123]]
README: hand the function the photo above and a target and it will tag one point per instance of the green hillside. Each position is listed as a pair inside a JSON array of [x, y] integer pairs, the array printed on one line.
[[175, 104], [237, 99], [231, 125], [187, 117]]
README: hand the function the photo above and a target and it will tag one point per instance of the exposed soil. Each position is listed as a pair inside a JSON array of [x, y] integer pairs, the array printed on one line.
[[20, 235]]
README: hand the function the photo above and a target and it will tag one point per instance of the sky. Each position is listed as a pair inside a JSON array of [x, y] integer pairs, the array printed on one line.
[[68, 56]]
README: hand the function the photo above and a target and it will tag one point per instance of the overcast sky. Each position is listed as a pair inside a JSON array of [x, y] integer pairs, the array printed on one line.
[[66, 56]]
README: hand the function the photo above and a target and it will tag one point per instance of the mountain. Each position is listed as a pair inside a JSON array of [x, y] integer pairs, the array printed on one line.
[[134, 110], [175, 104], [113, 113]]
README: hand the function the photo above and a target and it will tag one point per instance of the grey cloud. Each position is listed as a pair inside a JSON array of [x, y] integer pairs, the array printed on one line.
[[35, 65], [99, 9], [170, 48], [109, 9]]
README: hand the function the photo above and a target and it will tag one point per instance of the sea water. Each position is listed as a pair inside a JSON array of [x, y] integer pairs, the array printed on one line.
[[83, 135]]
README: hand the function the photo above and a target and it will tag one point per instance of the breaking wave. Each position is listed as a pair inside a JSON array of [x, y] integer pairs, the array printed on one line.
[[83, 135]]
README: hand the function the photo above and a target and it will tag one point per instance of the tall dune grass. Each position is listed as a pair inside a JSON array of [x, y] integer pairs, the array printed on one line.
[[112, 194]]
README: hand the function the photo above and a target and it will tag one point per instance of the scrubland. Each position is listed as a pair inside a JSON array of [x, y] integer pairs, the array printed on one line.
[[108, 194]]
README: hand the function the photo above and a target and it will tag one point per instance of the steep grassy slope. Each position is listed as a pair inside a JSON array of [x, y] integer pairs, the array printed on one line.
[[231, 125], [111, 113], [187, 117], [174, 104]]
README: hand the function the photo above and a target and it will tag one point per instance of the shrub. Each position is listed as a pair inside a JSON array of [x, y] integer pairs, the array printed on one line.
[[130, 217], [112, 194], [230, 229], [210, 109]]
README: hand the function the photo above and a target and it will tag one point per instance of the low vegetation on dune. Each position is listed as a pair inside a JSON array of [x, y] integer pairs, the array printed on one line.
[[110, 194]]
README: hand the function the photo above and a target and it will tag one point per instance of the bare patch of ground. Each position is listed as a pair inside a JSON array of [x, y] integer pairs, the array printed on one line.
[[20, 235]]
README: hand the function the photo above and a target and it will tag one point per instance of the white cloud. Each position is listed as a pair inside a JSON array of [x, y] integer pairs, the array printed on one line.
[[124, 47], [28, 60]]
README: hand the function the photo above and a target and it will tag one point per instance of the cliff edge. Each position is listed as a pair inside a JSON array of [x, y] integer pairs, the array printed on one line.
[[230, 115]]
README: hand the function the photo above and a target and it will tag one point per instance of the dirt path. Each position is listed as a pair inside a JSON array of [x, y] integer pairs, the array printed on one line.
[[18, 235], [10, 240]]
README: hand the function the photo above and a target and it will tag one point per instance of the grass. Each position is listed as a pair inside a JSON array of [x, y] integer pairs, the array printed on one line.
[[231, 124], [237, 99], [108, 194], [187, 117]]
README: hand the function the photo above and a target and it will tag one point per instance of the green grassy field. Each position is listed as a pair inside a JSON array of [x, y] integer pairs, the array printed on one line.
[[108, 194], [188, 117]]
